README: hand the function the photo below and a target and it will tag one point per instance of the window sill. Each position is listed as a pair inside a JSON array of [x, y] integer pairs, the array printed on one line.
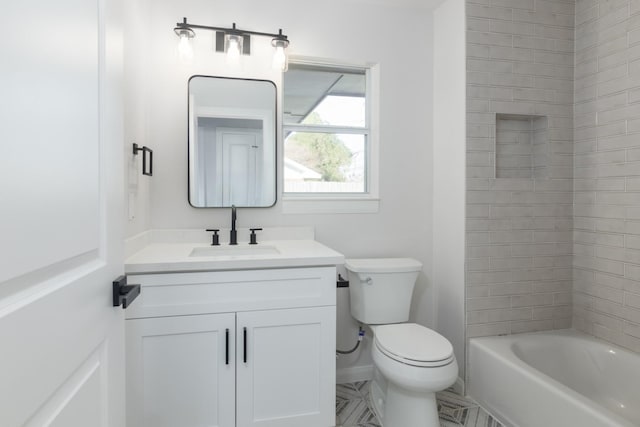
[[329, 205]]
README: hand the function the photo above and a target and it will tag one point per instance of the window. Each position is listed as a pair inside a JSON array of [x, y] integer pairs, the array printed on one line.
[[328, 142]]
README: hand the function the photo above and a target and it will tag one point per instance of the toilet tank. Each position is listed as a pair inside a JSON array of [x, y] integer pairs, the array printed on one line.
[[380, 289]]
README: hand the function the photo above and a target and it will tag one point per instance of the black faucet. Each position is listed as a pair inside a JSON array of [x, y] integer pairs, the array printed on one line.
[[233, 236]]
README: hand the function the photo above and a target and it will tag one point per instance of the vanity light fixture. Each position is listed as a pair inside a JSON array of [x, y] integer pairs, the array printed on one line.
[[233, 41], [185, 49]]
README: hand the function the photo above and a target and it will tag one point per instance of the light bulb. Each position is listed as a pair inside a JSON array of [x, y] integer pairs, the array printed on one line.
[[279, 59], [234, 47], [279, 55], [185, 49]]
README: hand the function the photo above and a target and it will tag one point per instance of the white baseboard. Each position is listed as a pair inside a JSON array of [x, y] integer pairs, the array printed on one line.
[[354, 374]]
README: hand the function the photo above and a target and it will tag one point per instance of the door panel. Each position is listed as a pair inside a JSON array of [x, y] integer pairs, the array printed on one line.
[[289, 377], [241, 163], [61, 160], [177, 371]]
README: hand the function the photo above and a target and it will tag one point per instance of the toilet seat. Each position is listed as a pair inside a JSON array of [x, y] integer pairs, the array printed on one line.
[[414, 345]]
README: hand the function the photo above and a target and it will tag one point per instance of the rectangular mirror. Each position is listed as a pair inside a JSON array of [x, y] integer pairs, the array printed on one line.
[[232, 142]]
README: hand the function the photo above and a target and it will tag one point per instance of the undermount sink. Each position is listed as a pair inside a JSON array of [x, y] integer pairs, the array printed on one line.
[[219, 251]]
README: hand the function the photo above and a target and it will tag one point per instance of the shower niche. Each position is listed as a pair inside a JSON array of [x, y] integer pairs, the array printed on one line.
[[522, 146]]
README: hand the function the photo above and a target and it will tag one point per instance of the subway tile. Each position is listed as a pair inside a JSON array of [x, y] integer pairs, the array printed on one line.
[[554, 32], [488, 251], [498, 315], [511, 236], [632, 300], [507, 79], [489, 66], [511, 107], [632, 272], [479, 159], [552, 287], [477, 291], [478, 105], [514, 288], [516, 4], [586, 15], [599, 264], [488, 277], [632, 241], [479, 11], [510, 53], [610, 225], [477, 51], [532, 300], [475, 24], [537, 95], [478, 264], [630, 329], [541, 16], [562, 298], [491, 39], [510, 27], [534, 42], [625, 284], [487, 303], [553, 261], [539, 249], [610, 198], [599, 238], [541, 313], [612, 6], [480, 171], [531, 326], [477, 211], [511, 211], [488, 329], [478, 238]]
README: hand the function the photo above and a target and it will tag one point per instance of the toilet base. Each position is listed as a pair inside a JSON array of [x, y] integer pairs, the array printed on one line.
[[404, 408], [397, 407]]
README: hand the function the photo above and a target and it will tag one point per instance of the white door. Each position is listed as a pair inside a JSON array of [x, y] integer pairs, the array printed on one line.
[[241, 165], [286, 368], [61, 214], [182, 371]]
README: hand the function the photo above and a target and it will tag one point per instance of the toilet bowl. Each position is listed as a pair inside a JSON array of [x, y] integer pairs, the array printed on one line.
[[411, 362], [415, 363]]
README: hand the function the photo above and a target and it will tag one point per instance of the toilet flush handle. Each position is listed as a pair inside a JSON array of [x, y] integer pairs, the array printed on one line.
[[368, 280]]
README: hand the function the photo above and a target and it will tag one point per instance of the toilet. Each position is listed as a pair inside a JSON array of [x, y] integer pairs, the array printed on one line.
[[411, 362]]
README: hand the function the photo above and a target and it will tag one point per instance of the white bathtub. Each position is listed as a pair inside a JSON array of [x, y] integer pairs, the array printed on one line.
[[559, 378]]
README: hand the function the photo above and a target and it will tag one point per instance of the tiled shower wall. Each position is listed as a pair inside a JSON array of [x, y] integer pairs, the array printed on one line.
[[519, 230], [606, 286]]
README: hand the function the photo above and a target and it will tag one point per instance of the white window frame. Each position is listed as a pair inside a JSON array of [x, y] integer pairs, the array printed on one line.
[[367, 202]]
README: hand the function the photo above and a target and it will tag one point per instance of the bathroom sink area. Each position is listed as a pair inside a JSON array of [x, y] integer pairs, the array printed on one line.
[[240, 250], [184, 250]]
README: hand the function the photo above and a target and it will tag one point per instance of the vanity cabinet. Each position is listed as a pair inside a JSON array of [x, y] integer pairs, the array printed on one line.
[[232, 348]]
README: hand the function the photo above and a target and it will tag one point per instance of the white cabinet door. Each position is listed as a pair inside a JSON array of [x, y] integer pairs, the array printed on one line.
[[286, 370], [61, 214], [181, 371]]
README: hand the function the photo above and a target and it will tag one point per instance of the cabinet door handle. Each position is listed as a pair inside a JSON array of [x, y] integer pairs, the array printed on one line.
[[226, 347], [244, 339]]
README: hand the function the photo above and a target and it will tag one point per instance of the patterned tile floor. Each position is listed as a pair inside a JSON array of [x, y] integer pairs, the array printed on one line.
[[353, 409]]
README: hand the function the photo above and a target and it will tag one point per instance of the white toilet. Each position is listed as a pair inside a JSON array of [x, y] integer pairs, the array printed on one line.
[[412, 362]]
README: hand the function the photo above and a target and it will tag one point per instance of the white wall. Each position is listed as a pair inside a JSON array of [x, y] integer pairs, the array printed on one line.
[[399, 39], [449, 147], [136, 51]]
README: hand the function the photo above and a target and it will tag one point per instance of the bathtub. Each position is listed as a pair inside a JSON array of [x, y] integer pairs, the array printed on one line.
[[555, 379]]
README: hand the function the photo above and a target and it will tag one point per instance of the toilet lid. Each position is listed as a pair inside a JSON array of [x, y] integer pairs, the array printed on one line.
[[413, 344]]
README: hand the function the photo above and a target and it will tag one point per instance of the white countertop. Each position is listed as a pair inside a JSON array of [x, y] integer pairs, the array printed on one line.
[[174, 257]]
